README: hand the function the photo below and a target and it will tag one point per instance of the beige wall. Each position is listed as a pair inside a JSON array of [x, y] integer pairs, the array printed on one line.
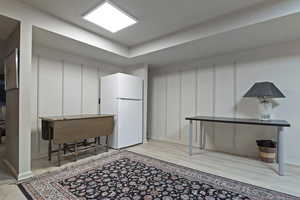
[[18, 157], [13, 41], [12, 110], [215, 87], [2, 55]]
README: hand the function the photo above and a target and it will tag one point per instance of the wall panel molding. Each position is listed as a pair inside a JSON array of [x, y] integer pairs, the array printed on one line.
[[220, 84], [53, 97]]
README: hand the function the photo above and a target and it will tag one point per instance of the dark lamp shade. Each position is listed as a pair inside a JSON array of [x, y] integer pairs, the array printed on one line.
[[264, 90]]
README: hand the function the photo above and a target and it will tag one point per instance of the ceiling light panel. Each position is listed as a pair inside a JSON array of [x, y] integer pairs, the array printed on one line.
[[109, 17]]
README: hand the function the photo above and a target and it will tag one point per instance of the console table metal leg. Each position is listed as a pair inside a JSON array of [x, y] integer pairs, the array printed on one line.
[[191, 138], [280, 151], [277, 152], [203, 136]]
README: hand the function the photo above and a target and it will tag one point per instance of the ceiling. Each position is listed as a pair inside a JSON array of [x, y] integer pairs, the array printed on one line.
[[258, 35], [204, 28], [238, 40], [157, 18], [48, 39], [7, 26]]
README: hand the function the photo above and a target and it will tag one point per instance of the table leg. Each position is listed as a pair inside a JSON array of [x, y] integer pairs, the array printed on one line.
[[58, 154], [65, 148], [191, 138], [106, 143], [75, 150], [280, 151], [95, 144], [50, 144]]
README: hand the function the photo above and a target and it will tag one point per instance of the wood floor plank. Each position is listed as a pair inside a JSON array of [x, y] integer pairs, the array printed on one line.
[[239, 168]]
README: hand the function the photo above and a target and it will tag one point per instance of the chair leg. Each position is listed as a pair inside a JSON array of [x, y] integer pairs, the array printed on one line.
[[58, 154], [106, 143], [75, 151], [65, 148], [95, 145]]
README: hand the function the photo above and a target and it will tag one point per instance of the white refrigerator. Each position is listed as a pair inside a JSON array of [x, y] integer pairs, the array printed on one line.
[[122, 95]]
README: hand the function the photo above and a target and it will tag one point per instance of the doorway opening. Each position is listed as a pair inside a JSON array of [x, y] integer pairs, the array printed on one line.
[[9, 53]]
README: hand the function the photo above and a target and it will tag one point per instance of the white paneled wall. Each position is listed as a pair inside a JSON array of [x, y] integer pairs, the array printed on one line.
[[205, 99], [90, 90], [173, 93], [187, 101], [224, 106], [158, 107], [215, 87], [63, 85], [72, 88]]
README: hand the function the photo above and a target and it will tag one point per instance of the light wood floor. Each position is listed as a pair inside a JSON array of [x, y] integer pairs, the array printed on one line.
[[238, 168]]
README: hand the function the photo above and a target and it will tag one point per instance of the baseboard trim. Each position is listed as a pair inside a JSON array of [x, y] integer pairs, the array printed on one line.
[[18, 176], [25, 175], [145, 141], [11, 168]]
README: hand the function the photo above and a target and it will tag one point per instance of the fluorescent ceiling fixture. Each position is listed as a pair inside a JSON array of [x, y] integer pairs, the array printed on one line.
[[110, 17]]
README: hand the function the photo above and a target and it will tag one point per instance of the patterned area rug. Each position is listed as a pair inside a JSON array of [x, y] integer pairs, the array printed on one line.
[[125, 175]]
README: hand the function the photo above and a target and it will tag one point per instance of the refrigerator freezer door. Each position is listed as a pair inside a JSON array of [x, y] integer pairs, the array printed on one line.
[[130, 123], [130, 87]]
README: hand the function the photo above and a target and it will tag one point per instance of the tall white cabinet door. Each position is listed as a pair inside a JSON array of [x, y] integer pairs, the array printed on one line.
[[130, 122]]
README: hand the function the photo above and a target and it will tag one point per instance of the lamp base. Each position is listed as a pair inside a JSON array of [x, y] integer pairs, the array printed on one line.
[[265, 117], [266, 110]]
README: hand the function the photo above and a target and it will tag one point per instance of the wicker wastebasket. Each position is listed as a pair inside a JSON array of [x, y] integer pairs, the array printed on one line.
[[267, 150]]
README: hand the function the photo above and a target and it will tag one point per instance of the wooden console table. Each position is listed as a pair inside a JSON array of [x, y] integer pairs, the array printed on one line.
[[74, 129], [280, 124]]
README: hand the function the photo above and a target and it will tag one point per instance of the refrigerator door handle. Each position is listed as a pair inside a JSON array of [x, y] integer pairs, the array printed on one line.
[[119, 98]]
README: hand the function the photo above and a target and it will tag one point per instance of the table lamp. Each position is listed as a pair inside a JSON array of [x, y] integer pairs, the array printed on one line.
[[265, 91]]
